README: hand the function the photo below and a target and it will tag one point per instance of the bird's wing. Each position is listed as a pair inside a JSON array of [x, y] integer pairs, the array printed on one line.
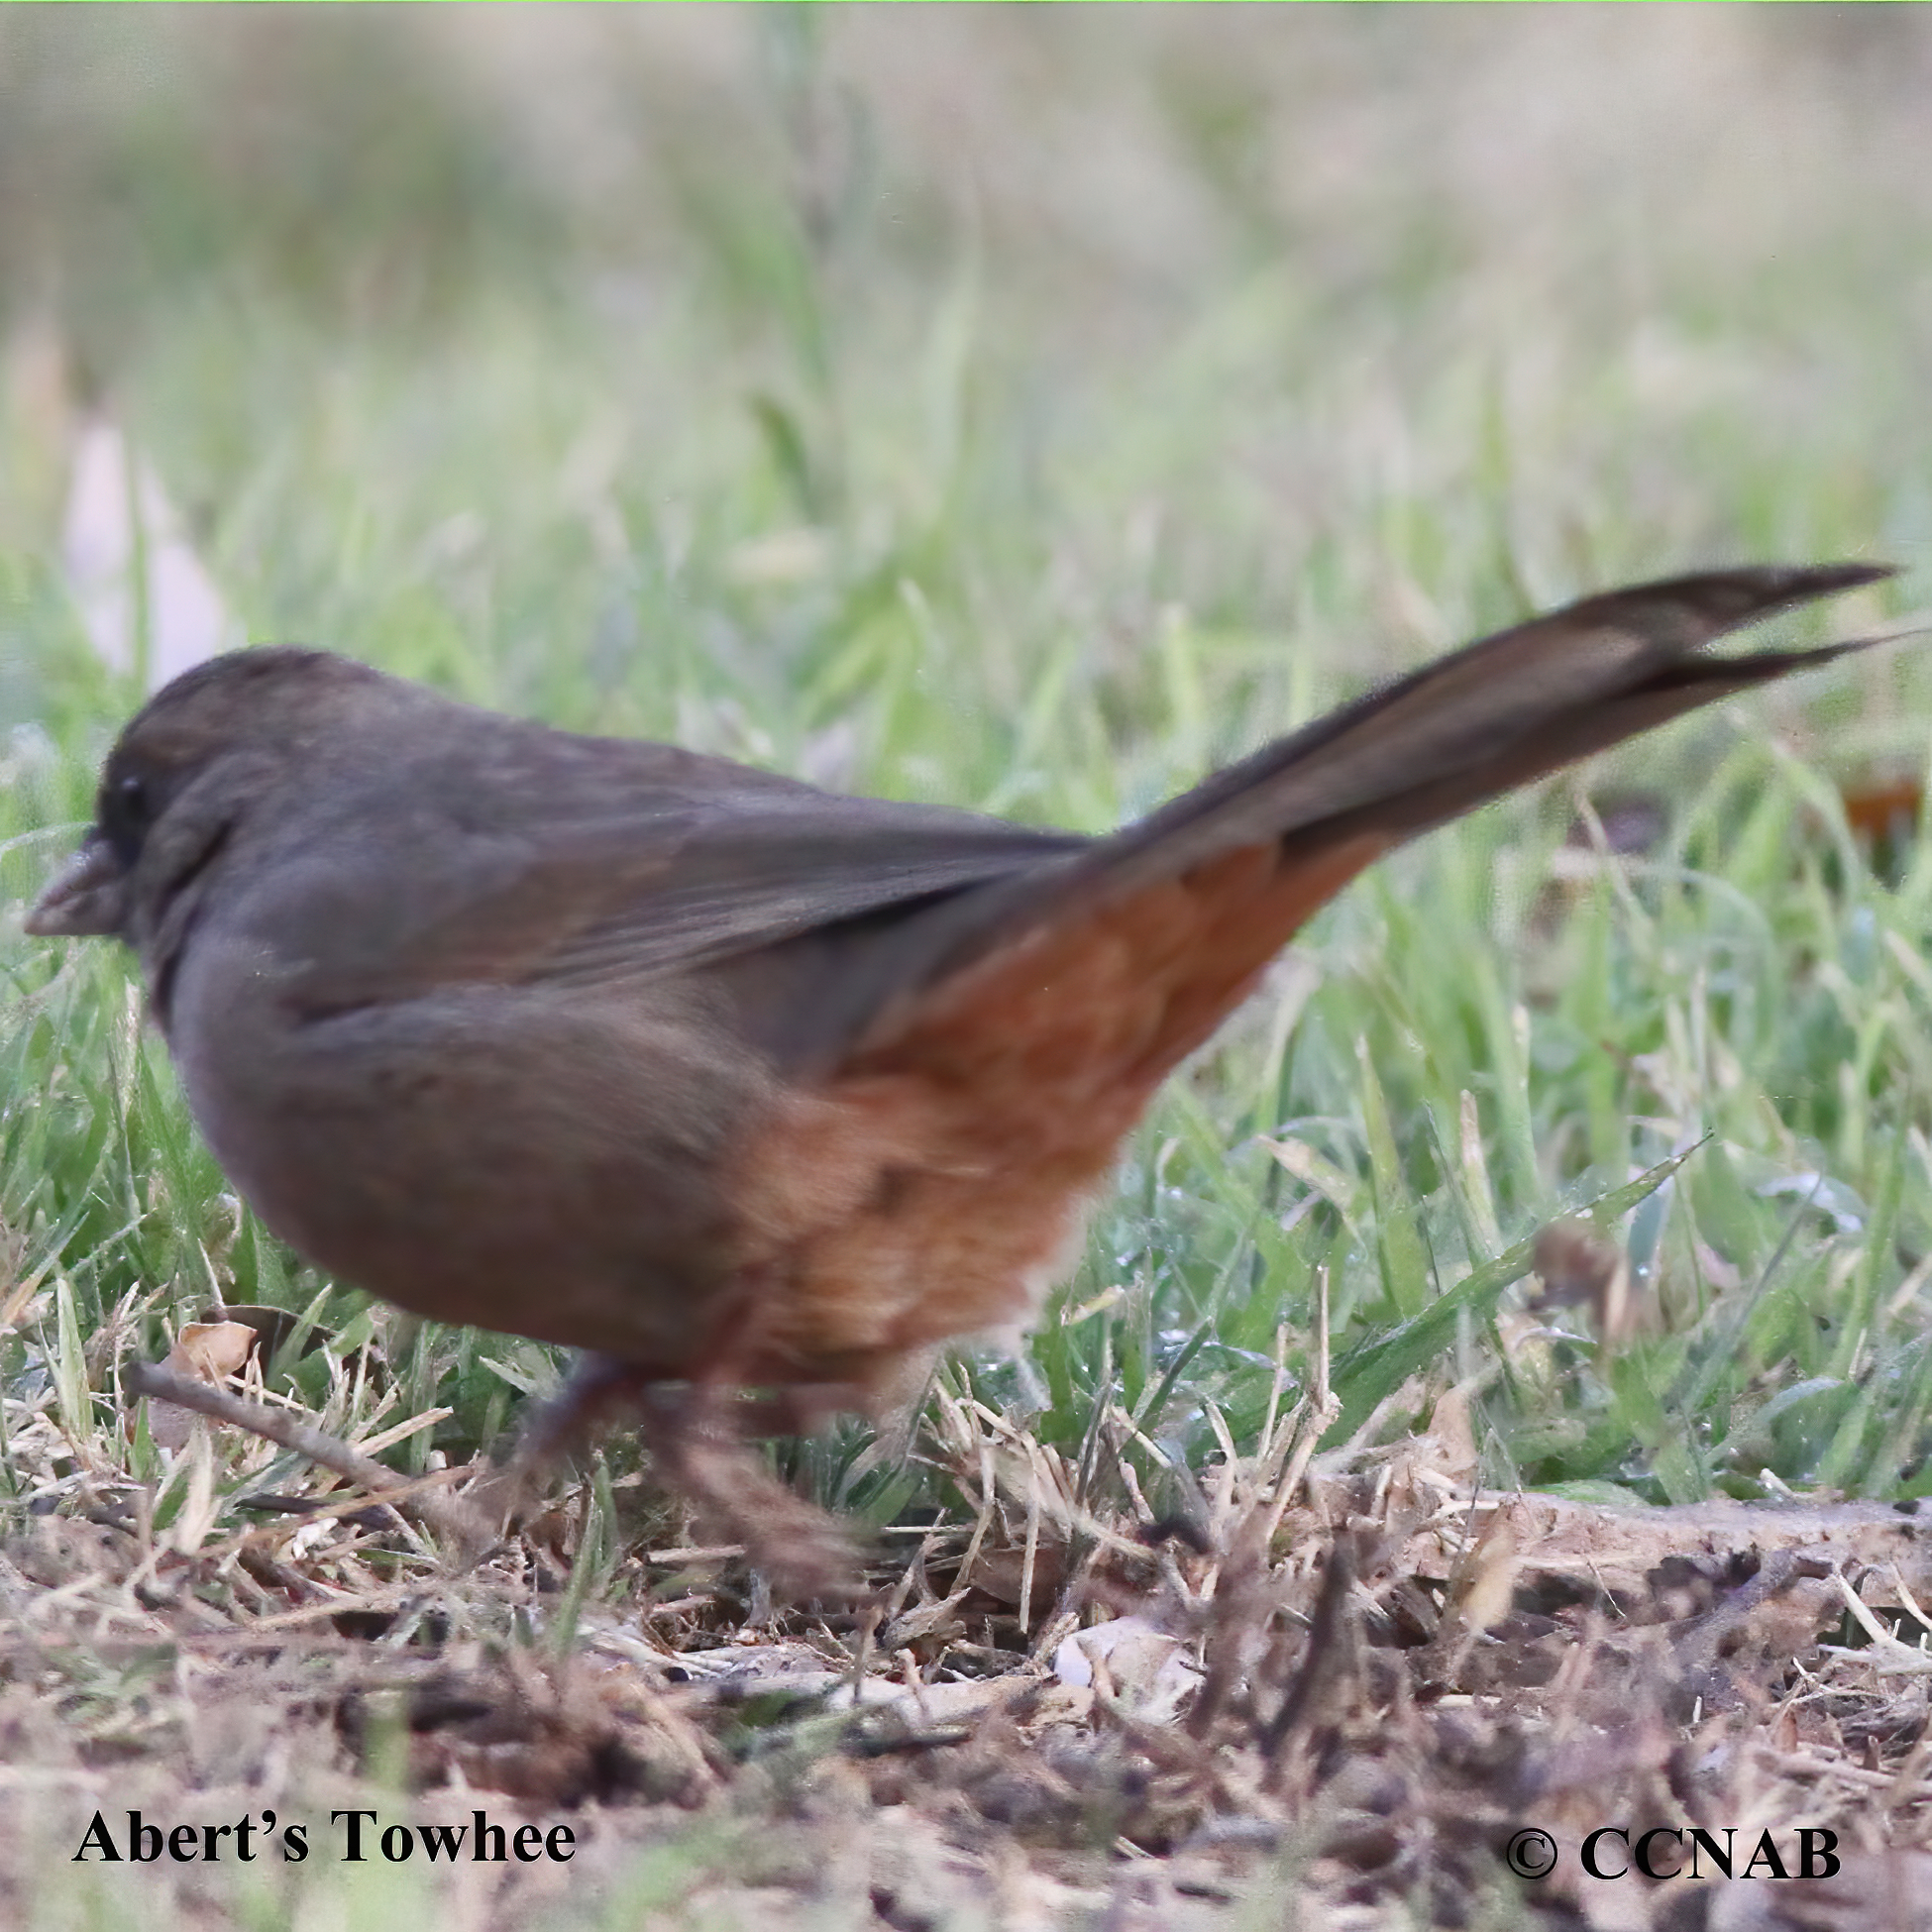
[[756, 882], [630, 900]]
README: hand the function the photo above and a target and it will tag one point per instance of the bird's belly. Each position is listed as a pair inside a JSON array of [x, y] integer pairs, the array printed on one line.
[[480, 1156]]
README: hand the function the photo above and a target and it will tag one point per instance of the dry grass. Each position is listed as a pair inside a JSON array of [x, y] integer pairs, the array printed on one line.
[[1344, 1674]]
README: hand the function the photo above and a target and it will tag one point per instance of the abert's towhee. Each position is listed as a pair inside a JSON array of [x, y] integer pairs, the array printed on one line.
[[730, 1081]]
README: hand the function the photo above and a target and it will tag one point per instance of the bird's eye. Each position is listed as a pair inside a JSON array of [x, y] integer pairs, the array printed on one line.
[[127, 809]]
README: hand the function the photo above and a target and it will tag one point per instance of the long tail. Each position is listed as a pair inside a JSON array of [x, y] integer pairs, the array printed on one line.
[[1210, 886]]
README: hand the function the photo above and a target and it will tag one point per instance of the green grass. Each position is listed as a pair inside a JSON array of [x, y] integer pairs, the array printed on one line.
[[787, 445]]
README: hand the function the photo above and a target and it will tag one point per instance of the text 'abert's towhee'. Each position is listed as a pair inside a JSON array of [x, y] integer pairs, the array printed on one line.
[[731, 1081]]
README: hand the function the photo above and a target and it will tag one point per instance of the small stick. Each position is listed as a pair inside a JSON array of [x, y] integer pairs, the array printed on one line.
[[446, 1514]]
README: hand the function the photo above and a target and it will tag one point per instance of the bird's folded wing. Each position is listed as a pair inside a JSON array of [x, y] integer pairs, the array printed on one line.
[[628, 901]]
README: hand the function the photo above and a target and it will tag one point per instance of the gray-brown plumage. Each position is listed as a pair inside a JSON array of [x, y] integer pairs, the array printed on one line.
[[728, 1079]]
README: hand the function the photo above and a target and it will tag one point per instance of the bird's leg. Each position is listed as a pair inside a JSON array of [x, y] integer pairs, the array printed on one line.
[[698, 1438], [597, 1387], [700, 1450], [695, 1433]]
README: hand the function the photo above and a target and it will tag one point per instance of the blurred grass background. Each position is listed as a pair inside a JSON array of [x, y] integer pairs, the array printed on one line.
[[1026, 409]]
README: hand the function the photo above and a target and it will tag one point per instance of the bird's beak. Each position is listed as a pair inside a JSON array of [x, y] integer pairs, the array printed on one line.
[[88, 897]]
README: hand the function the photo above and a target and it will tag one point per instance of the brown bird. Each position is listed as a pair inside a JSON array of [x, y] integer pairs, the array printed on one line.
[[733, 1082]]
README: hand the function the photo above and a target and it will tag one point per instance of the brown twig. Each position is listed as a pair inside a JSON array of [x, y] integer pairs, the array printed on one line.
[[447, 1515]]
